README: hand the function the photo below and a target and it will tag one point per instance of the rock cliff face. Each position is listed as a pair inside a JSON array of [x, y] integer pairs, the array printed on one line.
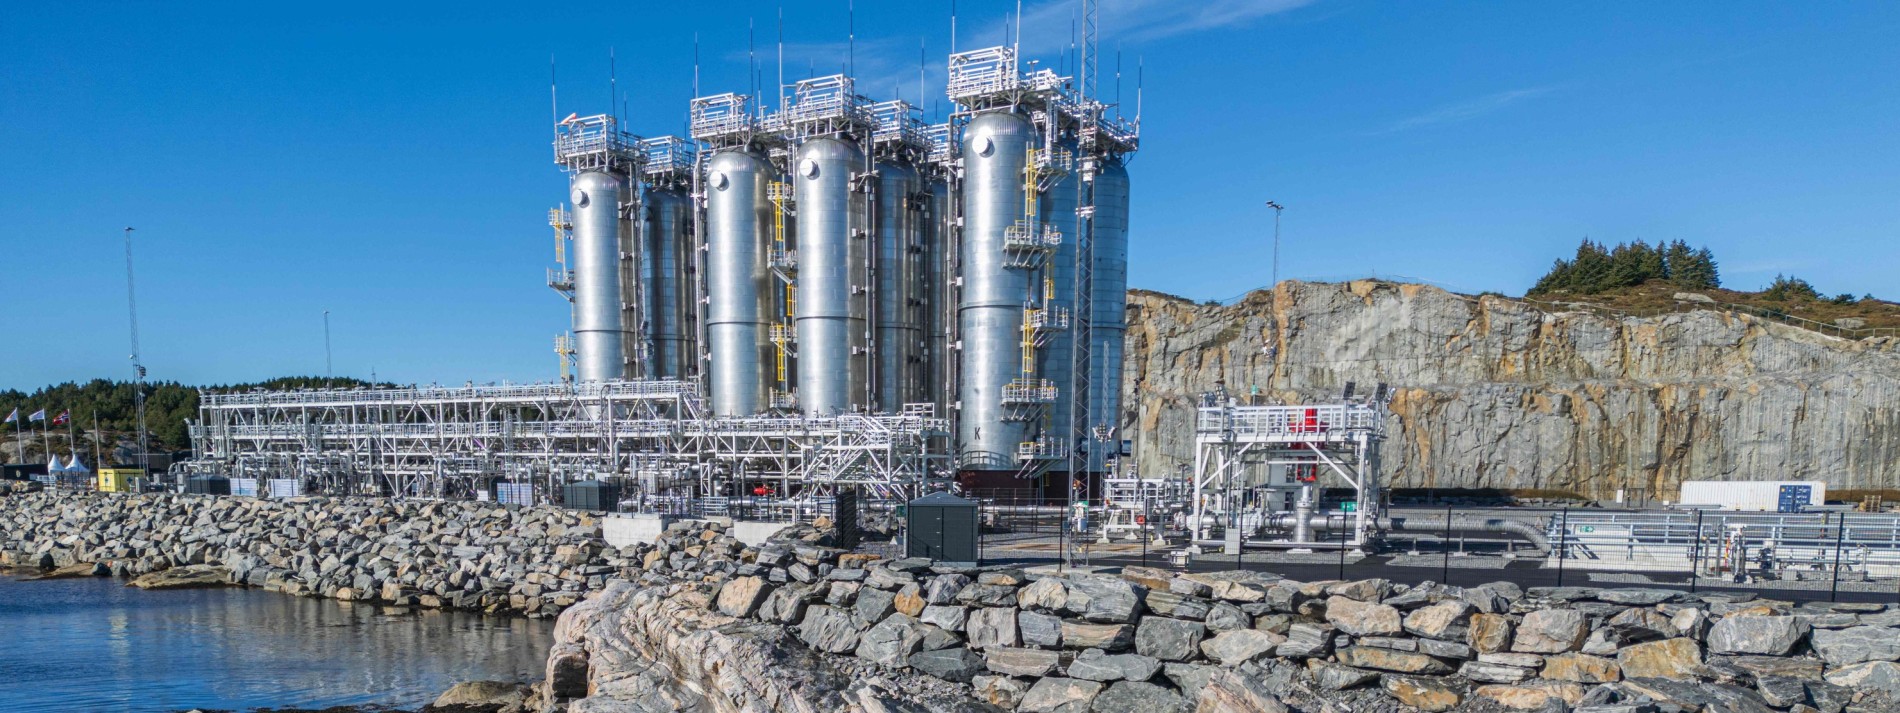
[[1497, 393]]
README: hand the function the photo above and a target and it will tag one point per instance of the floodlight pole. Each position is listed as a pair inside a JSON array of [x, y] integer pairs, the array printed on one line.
[[1276, 243]]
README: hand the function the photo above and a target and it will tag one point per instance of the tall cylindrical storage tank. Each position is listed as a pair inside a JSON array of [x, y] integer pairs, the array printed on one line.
[[599, 334], [1055, 358], [940, 294], [739, 283], [669, 252], [990, 310], [832, 258], [1108, 318], [897, 305]]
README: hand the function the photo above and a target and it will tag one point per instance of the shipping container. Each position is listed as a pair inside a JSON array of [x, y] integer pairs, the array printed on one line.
[[1755, 495]]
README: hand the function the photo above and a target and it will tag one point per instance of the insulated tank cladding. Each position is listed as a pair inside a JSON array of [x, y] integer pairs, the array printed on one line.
[[990, 308], [599, 334], [832, 272], [669, 252], [941, 295], [899, 302], [1108, 320], [1055, 359], [739, 283]]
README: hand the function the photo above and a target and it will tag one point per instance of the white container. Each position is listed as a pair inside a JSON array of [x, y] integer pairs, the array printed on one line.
[[246, 487], [1755, 495], [285, 487]]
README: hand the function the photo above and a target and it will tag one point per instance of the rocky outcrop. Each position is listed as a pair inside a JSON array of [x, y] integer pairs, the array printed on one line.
[[460, 555], [1498, 393]]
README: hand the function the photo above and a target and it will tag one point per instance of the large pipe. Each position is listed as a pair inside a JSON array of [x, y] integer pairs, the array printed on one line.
[[832, 259], [600, 335], [940, 294], [1055, 358], [990, 308], [1498, 525], [739, 283]]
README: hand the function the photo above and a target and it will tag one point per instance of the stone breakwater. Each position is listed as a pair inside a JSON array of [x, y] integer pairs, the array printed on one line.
[[461, 555], [711, 625]]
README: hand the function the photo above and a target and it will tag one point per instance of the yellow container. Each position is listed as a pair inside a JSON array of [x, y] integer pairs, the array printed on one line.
[[120, 480]]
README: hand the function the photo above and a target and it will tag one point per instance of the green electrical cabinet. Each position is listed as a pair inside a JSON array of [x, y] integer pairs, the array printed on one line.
[[942, 527]]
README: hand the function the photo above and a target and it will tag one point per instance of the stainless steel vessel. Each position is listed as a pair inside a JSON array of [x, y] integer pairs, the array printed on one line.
[[899, 298], [990, 310], [1108, 318], [669, 255], [600, 336], [832, 272], [739, 283]]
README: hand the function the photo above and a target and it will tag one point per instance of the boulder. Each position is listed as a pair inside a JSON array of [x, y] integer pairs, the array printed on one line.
[[1581, 668], [1489, 633], [1336, 677], [1139, 697], [1857, 645], [1109, 637], [1306, 640], [991, 627], [1232, 648], [1000, 691], [1046, 595], [1390, 660], [1011, 661], [957, 664], [1361, 619], [943, 589], [742, 596], [1494, 673], [1425, 694], [1447, 620], [830, 629], [1168, 639], [1766, 635], [1103, 599], [1094, 665], [1639, 597], [1059, 695], [1234, 692], [892, 641], [485, 694], [1670, 658], [1875, 675], [1550, 631], [1040, 630], [948, 617], [1533, 696]]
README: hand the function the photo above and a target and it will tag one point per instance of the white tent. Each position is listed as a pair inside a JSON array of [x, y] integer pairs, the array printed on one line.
[[74, 466], [52, 466]]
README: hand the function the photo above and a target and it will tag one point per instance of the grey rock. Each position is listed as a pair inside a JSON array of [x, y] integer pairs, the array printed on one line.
[[891, 641], [1104, 599], [991, 627], [943, 588], [1551, 631], [873, 604], [956, 664], [1040, 630], [1059, 695], [1170, 604], [1857, 644], [830, 629], [1769, 635], [1139, 697], [1639, 597], [1188, 677], [949, 617], [1110, 637], [1226, 617], [1012, 661], [1168, 639], [1094, 665], [1361, 619], [1232, 648]]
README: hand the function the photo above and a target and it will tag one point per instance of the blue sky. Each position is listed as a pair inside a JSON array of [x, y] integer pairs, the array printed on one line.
[[389, 162]]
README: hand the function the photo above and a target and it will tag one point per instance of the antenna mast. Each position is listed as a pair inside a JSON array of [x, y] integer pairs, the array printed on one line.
[[138, 367]]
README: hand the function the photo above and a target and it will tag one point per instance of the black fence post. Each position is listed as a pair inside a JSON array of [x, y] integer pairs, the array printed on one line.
[[1840, 537], [1147, 517], [1695, 554], [1445, 578], [1563, 544], [1342, 547]]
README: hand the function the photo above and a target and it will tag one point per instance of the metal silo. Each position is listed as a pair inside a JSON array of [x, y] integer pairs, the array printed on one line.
[[898, 303], [739, 282], [832, 266], [669, 254], [600, 336], [1108, 318], [990, 310]]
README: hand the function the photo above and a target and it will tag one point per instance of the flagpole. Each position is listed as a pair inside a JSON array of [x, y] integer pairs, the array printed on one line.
[[19, 439], [96, 463]]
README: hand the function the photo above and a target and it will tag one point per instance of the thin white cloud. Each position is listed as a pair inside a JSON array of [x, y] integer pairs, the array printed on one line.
[[1465, 111]]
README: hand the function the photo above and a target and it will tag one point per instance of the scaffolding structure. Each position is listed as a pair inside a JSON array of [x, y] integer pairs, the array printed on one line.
[[655, 437], [1251, 462]]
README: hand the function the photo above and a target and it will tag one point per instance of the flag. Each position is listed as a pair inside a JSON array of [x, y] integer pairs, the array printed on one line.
[[39, 415], [15, 416], [63, 417]]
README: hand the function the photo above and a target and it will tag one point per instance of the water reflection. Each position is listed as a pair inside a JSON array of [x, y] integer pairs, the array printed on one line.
[[93, 644]]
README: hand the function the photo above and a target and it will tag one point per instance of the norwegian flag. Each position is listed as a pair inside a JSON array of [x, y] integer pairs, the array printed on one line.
[[63, 417]]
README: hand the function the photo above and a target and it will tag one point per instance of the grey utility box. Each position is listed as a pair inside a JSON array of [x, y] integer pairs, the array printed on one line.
[[943, 528], [591, 495]]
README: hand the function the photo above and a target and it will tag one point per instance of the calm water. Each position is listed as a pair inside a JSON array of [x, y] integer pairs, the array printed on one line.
[[96, 645]]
